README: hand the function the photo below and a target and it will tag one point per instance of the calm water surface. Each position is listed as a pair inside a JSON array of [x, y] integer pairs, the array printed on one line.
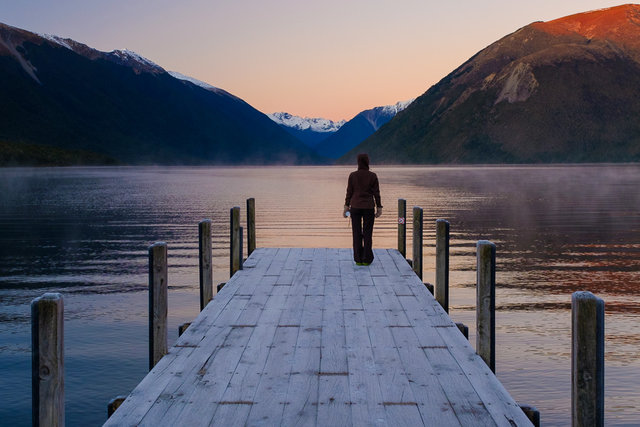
[[84, 232]]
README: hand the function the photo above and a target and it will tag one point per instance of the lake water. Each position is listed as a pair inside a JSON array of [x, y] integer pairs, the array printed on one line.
[[84, 232]]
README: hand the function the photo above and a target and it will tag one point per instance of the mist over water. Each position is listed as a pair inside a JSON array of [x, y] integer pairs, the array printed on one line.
[[84, 232]]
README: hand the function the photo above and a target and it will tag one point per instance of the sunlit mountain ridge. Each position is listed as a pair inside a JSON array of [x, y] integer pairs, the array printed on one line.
[[566, 90]]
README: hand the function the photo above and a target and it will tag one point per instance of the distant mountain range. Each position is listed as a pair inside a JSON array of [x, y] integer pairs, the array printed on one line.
[[566, 90], [61, 98], [358, 129], [332, 139], [308, 130]]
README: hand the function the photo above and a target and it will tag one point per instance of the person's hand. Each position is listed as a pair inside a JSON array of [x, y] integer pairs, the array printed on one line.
[[378, 212], [345, 211]]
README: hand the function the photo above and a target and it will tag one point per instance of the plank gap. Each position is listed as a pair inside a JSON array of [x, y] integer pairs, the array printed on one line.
[[400, 403], [235, 402]]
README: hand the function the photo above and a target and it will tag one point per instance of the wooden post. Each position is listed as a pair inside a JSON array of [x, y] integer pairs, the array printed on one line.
[[251, 226], [417, 241], [587, 360], [429, 287], [158, 295], [402, 227], [183, 328], [464, 329], [486, 303], [241, 241], [442, 263], [206, 269], [47, 360], [532, 413], [234, 233], [114, 404]]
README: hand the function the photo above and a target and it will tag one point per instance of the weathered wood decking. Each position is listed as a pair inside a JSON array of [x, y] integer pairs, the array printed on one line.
[[305, 337]]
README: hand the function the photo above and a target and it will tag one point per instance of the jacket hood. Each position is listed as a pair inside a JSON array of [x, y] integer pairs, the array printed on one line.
[[363, 161]]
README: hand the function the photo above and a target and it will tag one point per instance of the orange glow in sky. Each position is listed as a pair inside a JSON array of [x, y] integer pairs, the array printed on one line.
[[328, 58]]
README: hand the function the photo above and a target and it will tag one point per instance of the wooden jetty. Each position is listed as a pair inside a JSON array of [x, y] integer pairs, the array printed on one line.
[[305, 337]]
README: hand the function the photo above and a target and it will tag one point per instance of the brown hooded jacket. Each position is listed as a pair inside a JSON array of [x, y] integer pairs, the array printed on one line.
[[363, 188]]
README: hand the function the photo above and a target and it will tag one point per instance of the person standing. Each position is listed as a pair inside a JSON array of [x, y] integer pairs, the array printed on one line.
[[364, 204]]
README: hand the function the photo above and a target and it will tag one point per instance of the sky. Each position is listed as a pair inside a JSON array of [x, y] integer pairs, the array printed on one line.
[[329, 58]]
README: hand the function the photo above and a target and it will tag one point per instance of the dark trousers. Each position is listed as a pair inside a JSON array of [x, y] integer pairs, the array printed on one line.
[[362, 227]]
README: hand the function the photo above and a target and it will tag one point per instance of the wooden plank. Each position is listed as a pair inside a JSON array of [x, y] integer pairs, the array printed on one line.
[[449, 372], [302, 395], [271, 394], [316, 279], [376, 268], [197, 392], [332, 267], [183, 361], [433, 403], [398, 398], [240, 393], [399, 261], [305, 337], [195, 398], [277, 262], [308, 283], [364, 387], [495, 400], [333, 377], [251, 261], [202, 334]]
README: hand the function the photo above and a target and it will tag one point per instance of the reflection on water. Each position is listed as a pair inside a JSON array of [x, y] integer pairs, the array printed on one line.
[[85, 232]]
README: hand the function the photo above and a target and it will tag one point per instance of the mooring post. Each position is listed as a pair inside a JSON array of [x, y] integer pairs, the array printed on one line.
[[532, 413], [206, 269], [417, 241], [251, 226], [442, 263], [402, 227], [182, 328], [234, 237], [241, 240], [486, 303], [587, 360], [114, 404], [464, 329], [47, 360], [158, 296]]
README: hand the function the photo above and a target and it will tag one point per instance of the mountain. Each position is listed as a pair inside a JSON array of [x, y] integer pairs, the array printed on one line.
[[358, 129], [566, 90], [308, 130], [122, 107]]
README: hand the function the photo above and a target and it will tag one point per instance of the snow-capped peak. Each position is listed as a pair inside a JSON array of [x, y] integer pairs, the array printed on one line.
[[57, 40], [196, 82], [126, 55], [397, 107], [380, 115], [200, 83], [315, 124]]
